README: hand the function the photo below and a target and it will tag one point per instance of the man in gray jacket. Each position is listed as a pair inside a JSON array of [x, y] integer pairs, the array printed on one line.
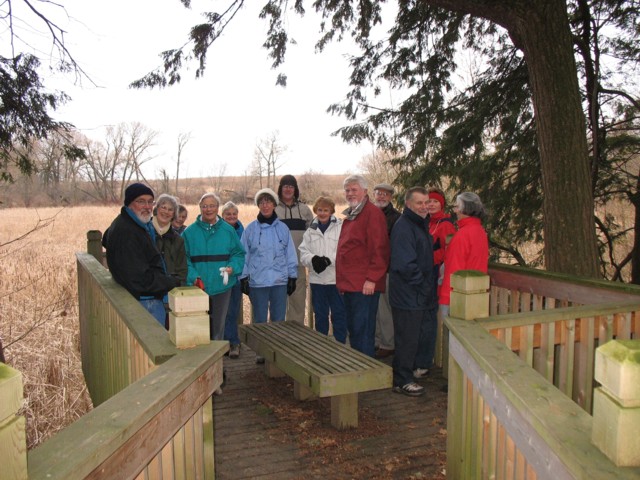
[[297, 216]]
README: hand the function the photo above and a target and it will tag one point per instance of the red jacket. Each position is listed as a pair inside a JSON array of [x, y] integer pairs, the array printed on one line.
[[440, 227], [363, 250], [468, 250]]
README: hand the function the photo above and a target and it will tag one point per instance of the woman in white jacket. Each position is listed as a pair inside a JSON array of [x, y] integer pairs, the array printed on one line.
[[318, 254]]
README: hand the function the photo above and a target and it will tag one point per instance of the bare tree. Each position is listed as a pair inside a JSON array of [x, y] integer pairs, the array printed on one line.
[[110, 166], [378, 167], [183, 139], [268, 158]]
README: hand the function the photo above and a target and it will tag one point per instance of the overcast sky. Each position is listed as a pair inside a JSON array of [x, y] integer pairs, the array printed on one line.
[[227, 111]]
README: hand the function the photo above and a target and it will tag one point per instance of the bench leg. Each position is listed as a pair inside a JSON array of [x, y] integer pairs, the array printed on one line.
[[271, 370], [344, 411], [302, 392]]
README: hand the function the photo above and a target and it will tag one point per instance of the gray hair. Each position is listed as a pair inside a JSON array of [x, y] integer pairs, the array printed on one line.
[[207, 195], [166, 198], [469, 204], [228, 206], [412, 190], [359, 179]]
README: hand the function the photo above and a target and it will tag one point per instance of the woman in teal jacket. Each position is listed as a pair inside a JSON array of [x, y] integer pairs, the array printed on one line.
[[215, 256]]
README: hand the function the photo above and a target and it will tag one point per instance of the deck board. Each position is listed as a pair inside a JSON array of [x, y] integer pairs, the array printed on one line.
[[262, 432]]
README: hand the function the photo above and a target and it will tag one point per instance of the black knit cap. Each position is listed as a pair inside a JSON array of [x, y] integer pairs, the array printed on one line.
[[289, 180], [135, 190]]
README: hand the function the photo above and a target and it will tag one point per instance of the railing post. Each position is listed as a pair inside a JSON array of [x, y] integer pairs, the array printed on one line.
[[94, 245], [13, 438], [616, 403], [188, 318], [469, 296]]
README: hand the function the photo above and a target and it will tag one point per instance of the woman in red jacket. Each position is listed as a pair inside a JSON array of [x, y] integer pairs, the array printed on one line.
[[441, 228], [469, 248]]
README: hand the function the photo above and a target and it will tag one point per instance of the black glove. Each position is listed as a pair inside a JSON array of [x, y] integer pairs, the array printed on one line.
[[291, 286], [317, 264], [244, 285], [320, 264]]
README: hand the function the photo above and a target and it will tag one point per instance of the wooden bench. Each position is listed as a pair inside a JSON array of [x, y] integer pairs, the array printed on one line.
[[319, 366]]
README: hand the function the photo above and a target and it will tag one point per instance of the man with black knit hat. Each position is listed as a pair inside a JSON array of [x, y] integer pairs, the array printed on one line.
[[132, 256], [297, 216]]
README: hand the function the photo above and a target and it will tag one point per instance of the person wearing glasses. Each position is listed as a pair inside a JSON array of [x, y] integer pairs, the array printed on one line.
[[296, 215], [134, 260], [215, 257], [170, 244]]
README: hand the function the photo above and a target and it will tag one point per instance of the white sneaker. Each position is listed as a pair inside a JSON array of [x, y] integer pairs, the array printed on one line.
[[420, 373], [410, 389]]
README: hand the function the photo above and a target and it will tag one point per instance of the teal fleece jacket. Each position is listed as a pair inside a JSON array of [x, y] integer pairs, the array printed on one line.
[[210, 247]]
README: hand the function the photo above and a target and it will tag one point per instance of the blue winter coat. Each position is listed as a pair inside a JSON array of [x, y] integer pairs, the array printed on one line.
[[210, 247], [271, 254], [412, 283]]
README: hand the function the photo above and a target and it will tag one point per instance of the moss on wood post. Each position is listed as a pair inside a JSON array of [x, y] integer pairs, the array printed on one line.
[[188, 318], [616, 403], [13, 438], [470, 295]]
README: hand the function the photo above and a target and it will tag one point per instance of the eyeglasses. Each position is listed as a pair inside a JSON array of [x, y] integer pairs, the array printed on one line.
[[288, 186], [265, 201], [166, 208], [210, 205], [143, 203]]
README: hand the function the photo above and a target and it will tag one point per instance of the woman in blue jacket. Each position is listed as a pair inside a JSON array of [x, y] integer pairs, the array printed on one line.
[[213, 250], [271, 264]]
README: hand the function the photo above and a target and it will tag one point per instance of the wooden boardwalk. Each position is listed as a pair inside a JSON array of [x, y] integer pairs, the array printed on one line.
[[262, 432]]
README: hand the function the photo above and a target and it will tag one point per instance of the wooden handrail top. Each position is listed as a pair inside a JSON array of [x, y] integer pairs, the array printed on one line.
[[560, 285], [532, 410], [76, 451], [523, 319]]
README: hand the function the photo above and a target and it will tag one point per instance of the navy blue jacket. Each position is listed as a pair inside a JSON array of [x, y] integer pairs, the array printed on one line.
[[412, 284]]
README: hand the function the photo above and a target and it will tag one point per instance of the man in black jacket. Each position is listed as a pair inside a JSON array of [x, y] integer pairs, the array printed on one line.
[[412, 294], [132, 256]]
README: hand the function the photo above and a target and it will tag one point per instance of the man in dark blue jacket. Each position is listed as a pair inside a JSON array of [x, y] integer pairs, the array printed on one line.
[[133, 258], [412, 294]]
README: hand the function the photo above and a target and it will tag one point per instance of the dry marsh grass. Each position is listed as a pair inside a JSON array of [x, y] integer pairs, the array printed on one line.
[[39, 307]]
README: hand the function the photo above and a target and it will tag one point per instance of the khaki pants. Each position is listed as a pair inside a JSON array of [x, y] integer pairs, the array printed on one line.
[[296, 302]]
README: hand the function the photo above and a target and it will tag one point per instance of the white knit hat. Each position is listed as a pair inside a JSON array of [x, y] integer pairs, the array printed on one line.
[[269, 192]]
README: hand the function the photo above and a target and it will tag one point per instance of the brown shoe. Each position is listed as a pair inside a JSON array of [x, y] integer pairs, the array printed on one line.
[[384, 353]]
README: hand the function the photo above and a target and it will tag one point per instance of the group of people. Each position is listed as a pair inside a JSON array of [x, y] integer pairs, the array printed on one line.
[[378, 277]]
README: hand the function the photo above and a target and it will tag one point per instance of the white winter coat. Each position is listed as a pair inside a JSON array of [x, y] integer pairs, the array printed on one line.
[[314, 242]]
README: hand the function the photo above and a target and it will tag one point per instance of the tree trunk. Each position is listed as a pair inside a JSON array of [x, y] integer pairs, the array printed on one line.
[[635, 251], [541, 30], [569, 230]]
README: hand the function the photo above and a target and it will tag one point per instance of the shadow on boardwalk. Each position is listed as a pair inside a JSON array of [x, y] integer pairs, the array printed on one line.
[[262, 432]]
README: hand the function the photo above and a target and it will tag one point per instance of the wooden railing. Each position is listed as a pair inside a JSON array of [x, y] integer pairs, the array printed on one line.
[[506, 421], [153, 415], [506, 418], [120, 341]]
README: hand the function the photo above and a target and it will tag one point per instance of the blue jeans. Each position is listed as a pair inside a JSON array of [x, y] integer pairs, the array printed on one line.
[[361, 320], [156, 308], [415, 334], [231, 322], [271, 300], [327, 298]]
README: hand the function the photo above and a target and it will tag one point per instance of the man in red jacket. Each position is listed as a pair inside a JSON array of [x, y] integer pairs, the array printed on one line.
[[362, 259]]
